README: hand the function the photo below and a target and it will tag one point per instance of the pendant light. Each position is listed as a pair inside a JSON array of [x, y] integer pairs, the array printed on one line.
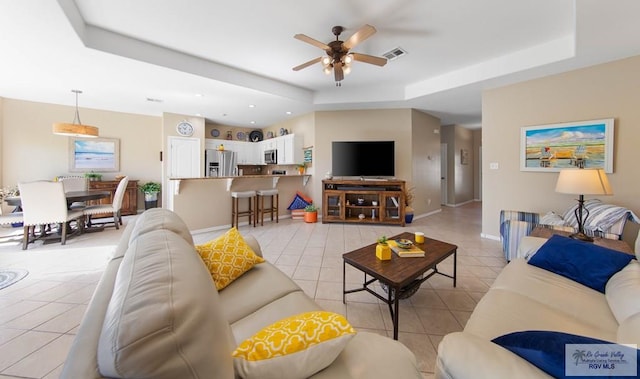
[[76, 129]]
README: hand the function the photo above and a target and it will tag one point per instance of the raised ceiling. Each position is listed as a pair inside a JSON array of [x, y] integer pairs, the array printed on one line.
[[215, 58]]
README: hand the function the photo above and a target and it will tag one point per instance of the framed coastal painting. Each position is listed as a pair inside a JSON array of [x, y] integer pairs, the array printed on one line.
[[94, 154], [583, 144]]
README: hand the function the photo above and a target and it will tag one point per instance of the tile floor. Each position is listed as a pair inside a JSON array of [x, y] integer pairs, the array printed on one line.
[[39, 315]]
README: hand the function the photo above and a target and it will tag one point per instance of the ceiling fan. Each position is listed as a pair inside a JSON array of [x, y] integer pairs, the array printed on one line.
[[338, 56]]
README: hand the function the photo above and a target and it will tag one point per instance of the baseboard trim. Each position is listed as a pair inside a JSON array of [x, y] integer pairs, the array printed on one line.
[[490, 237]]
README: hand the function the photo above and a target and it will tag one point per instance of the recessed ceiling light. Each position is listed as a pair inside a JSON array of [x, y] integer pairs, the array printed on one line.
[[252, 106], [252, 122], [288, 112], [199, 95], [199, 114]]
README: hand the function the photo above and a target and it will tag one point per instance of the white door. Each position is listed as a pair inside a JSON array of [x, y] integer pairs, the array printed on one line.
[[184, 162], [443, 174]]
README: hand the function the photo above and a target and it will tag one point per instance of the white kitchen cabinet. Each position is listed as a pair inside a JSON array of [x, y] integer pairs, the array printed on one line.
[[289, 149]]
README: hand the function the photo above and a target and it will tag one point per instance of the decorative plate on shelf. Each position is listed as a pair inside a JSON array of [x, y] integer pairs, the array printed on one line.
[[282, 131], [240, 136], [215, 133], [269, 134], [255, 136]]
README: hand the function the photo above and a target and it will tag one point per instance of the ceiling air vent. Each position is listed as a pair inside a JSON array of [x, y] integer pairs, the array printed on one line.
[[394, 53]]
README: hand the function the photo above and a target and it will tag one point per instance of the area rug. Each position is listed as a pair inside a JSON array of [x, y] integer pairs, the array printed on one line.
[[11, 276]]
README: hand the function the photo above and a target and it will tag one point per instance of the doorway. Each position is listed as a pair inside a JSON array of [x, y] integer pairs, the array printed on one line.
[[443, 174]]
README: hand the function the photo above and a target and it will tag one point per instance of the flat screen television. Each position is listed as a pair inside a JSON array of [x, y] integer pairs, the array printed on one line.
[[363, 158]]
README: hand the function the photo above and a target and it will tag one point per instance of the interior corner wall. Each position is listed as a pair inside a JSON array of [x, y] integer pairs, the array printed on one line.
[[477, 164], [362, 125], [425, 158], [603, 91], [459, 177]]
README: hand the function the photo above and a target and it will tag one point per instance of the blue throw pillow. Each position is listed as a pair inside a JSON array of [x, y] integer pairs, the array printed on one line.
[[298, 203], [546, 350], [583, 262]]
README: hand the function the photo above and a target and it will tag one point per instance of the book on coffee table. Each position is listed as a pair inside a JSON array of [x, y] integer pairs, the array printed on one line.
[[412, 251]]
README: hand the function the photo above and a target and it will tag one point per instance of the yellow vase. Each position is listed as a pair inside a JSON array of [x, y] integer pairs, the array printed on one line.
[[383, 252]]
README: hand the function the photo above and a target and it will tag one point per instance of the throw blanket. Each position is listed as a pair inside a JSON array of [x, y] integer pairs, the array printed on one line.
[[601, 216]]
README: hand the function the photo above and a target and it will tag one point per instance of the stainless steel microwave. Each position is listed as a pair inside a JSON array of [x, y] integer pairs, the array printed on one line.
[[271, 156]]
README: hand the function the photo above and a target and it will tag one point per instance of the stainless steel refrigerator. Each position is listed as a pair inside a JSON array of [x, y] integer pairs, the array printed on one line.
[[220, 163]]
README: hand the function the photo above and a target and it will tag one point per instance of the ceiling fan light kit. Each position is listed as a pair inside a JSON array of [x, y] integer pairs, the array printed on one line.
[[339, 58], [75, 129]]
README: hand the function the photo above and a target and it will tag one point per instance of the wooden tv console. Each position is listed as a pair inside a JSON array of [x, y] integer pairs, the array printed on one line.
[[363, 201]]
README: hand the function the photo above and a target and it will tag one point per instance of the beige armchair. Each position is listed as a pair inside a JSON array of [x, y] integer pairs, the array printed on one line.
[[44, 203], [113, 208]]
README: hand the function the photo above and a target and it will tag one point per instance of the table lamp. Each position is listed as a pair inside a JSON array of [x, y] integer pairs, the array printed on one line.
[[583, 182]]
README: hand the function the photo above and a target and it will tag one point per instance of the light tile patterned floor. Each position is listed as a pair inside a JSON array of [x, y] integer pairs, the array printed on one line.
[[40, 315]]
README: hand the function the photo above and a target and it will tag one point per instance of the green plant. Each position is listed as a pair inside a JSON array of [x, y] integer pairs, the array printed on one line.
[[310, 208], [93, 175], [150, 187], [382, 240]]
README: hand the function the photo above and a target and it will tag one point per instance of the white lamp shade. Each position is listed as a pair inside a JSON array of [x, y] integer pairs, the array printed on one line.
[[583, 182]]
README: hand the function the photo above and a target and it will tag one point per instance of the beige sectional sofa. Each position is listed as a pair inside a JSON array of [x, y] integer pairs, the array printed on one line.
[[524, 298], [156, 314]]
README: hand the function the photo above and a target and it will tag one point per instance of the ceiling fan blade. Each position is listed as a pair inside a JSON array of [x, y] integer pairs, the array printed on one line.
[[338, 72], [378, 61], [314, 42], [307, 64], [360, 35]]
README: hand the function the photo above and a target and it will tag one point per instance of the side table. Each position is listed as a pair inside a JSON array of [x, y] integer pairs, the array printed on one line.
[[618, 245]]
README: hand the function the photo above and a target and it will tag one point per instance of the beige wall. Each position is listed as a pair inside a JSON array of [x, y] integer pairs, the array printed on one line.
[[477, 164], [603, 91], [30, 151], [460, 178], [425, 152]]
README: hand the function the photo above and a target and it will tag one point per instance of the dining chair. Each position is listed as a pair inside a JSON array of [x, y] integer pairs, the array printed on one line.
[[74, 183], [44, 203], [113, 208]]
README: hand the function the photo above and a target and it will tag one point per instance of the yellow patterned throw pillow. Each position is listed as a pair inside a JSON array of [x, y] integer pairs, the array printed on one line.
[[294, 347], [227, 257]]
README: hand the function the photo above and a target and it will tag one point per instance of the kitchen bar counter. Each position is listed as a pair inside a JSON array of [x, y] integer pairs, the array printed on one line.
[[205, 203], [257, 176], [230, 179]]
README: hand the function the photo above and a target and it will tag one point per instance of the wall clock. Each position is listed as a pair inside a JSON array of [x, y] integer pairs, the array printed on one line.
[[184, 128]]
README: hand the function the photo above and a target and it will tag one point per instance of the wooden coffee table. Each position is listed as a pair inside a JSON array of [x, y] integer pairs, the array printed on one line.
[[399, 274]]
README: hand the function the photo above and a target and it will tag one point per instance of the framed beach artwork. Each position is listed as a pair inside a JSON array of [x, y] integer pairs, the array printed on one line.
[[94, 154], [584, 144]]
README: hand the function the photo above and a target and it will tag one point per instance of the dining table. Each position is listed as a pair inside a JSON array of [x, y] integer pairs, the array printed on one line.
[[71, 196]]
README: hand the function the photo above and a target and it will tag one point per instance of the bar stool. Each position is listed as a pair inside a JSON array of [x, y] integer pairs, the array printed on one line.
[[272, 209], [235, 211]]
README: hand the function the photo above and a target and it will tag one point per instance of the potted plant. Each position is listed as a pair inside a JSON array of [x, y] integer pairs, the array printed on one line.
[[408, 199], [383, 250], [93, 176], [150, 190], [301, 167], [310, 213]]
